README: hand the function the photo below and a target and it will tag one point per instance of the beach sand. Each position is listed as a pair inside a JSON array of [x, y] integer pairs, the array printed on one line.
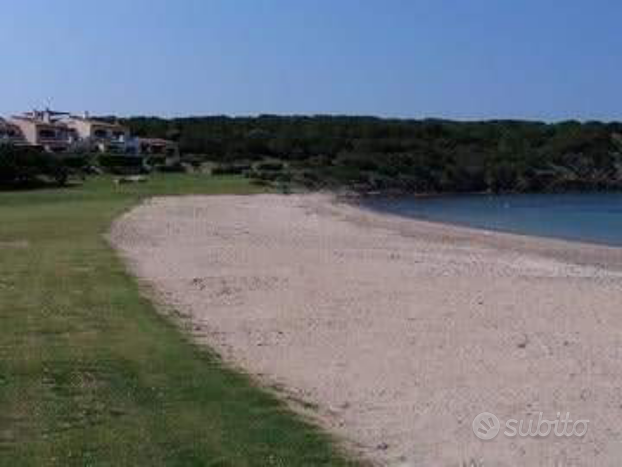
[[397, 332]]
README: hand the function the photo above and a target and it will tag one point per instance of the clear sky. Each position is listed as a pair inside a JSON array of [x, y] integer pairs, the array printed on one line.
[[537, 59]]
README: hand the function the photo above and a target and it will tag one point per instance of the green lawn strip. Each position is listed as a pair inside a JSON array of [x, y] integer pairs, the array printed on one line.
[[92, 375]]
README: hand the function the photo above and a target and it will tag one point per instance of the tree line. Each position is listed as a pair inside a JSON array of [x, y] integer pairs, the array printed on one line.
[[407, 155], [374, 154]]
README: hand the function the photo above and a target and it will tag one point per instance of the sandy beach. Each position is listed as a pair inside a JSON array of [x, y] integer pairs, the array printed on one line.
[[392, 333]]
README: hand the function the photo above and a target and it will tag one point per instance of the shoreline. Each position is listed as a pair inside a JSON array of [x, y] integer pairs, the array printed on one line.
[[579, 252], [398, 331]]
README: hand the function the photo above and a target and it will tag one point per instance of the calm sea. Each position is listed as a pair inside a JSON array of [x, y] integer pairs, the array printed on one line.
[[587, 217]]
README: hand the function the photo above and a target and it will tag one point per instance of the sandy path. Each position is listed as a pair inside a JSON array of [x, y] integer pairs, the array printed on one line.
[[400, 331]]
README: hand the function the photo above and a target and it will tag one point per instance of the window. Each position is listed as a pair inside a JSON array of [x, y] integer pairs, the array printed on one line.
[[47, 134], [100, 133]]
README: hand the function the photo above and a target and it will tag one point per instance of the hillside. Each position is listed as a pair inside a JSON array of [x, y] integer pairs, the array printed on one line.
[[407, 155]]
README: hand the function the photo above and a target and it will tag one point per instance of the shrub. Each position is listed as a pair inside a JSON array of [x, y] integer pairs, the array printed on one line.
[[267, 175], [27, 164], [121, 164]]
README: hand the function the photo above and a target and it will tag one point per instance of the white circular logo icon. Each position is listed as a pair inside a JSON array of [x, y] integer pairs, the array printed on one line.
[[486, 426]]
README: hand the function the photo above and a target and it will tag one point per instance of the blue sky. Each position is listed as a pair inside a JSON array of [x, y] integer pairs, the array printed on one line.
[[463, 59]]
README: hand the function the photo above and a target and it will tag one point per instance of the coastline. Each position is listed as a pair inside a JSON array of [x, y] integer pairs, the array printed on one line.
[[572, 251], [398, 331]]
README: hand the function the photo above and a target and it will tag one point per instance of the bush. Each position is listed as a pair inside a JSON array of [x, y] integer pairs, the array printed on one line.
[[27, 164], [266, 175], [194, 160], [121, 164], [75, 162]]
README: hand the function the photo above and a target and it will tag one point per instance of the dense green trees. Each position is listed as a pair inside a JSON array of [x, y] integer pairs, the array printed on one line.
[[368, 153], [411, 155], [20, 165]]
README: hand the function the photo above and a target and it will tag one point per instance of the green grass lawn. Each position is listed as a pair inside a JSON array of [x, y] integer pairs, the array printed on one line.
[[92, 375]]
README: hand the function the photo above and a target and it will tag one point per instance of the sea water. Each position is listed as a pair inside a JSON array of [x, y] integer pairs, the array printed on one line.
[[585, 217]]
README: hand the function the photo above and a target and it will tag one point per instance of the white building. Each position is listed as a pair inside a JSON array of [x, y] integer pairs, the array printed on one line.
[[64, 132], [11, 134], [44, 129], [105, 137]]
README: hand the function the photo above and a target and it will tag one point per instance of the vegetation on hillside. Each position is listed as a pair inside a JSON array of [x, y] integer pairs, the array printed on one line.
[[406, 155]]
